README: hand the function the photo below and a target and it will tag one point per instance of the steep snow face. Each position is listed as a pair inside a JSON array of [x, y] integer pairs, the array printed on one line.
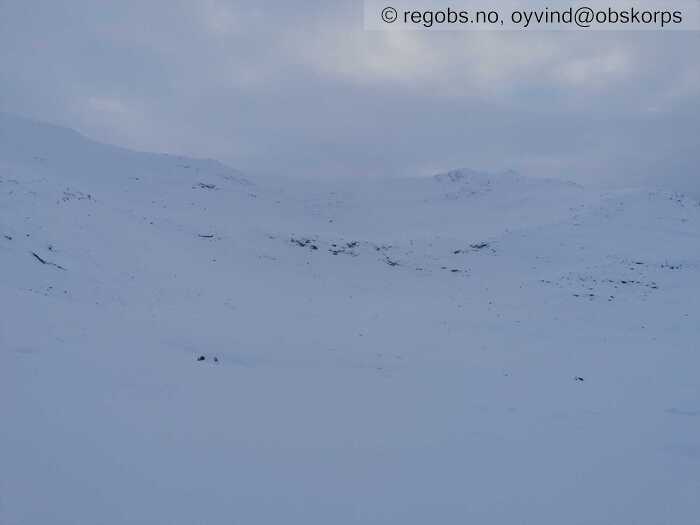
[[179, 344]]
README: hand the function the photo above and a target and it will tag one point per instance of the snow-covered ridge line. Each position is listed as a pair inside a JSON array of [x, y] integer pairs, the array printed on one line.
[[51, 147]]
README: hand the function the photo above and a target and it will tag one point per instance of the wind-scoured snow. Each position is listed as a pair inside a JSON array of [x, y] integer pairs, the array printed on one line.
[[181, 344]]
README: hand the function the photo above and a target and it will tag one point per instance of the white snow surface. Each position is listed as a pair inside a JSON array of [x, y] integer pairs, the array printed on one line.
[[468, 348]]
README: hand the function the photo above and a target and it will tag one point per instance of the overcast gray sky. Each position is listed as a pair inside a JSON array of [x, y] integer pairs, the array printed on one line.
[[300, 87]]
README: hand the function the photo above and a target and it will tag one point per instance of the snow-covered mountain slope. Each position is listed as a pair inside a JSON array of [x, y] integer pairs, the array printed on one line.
[[468, 348]]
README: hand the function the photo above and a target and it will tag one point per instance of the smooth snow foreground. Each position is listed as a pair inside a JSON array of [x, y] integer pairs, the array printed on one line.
[[181, 345]]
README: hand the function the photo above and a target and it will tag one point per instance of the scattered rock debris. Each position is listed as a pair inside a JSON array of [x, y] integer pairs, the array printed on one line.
[[70, 195], [44, 261], [344, 249], [390, 261], [651, 285], [589, 287], [304, 243], [667, 266], [477, 246]]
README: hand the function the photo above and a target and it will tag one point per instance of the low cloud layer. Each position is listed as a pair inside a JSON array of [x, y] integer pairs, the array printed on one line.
[[301, 88]]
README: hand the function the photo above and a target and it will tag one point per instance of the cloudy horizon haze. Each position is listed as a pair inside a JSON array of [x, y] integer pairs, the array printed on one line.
[[303, 89]]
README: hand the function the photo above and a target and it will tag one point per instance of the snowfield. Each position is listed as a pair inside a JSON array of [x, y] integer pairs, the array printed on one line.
[[180, 344]]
